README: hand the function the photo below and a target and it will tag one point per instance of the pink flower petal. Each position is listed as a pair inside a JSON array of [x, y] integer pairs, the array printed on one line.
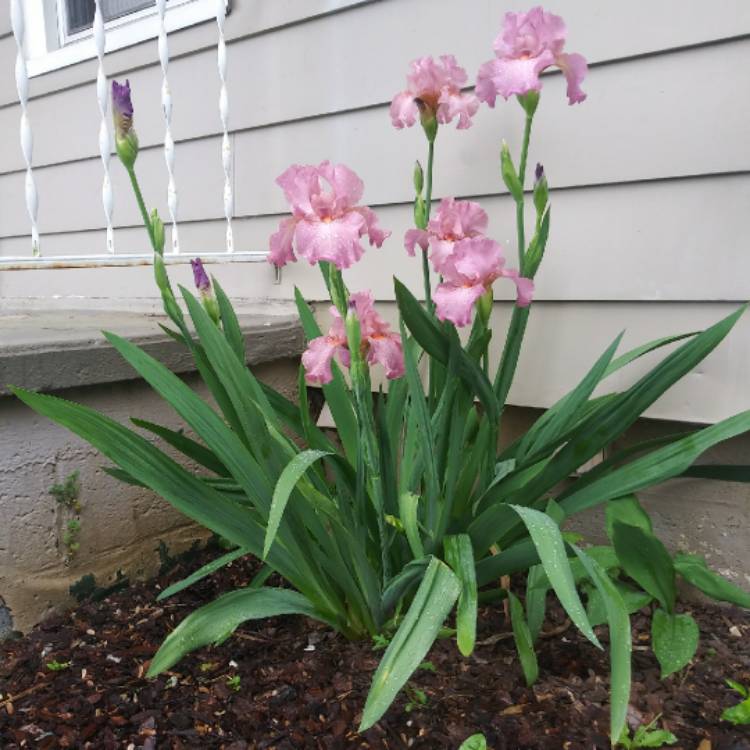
[[574, 68], [524, 287], [454, 303], [404, 110], [376, 235], [387, 351], [346, 186], [299, 183], [414, 237], [441, 255], [530, 34], [336, 240], [511, 76], [477, 260], [281, 243], [316, 359], [436, 85], [463, 106], [458, 218]]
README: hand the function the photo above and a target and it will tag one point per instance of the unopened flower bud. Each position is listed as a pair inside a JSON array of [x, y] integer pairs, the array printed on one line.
[[126, 140], [203, 285], [418, 178], [200, 277], [420, 212], [541, 190], [353, 331], [484, 306], [510, 176], [160, 274], [157, 232]]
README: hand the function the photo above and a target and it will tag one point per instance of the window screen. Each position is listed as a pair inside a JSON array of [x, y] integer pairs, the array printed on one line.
[[80, 13]]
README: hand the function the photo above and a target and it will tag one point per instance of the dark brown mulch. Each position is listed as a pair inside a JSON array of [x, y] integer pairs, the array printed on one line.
[[302, 686]]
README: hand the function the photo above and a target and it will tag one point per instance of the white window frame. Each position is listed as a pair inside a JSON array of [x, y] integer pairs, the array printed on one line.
[[49, 47]]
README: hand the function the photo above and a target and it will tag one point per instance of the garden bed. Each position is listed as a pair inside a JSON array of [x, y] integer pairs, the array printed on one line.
[[293, 683]]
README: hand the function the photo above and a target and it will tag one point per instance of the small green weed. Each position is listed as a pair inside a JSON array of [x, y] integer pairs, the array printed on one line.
[[739, 714], [647, 736], [58, 666]]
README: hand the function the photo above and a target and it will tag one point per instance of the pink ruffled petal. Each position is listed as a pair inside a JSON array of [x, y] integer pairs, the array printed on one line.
[[574, 68], [404, 110], [441, 255], [376, 235], [346, 186], [524, 287], [316, 359], [457, 104], [511, 76], [529, 34], [299, 184], [336, 240], [414, 237], [478, 260], [387, 351], [364, 308], [450, 72], [454, 303], [281, 251]]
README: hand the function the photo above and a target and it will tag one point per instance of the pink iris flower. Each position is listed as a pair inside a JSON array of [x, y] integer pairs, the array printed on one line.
[[453, 221], [528, 44], [326, 222], [468, 273], [468, 261], [434, 88], [379, 344]]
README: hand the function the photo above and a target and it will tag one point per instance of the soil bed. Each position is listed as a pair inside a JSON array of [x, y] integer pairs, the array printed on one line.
[[302, 686]]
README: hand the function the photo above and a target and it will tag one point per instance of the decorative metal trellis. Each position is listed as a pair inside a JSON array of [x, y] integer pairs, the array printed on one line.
[[36, 259]]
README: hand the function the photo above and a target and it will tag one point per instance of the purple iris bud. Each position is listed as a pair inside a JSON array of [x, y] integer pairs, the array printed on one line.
[[126, 141], [538, 173], [122, 108], [202, 282]]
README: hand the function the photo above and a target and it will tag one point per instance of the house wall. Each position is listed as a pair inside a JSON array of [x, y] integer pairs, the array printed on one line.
[[649, 175]]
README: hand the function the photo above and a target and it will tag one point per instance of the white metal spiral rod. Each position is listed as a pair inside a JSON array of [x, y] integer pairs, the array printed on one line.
[[105, 138], [166, 102], [27, 138], [226, 147]]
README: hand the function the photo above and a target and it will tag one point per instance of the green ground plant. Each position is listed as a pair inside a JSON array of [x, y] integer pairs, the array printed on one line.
[[740, 713]]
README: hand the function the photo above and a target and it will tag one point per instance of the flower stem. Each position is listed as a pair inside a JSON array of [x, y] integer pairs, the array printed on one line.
[[520, 204], [428, 206], [141, 205], [517, 327]]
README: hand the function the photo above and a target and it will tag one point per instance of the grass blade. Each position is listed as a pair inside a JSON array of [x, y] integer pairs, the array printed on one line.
[[216, 621], [202, 572], [433, 601], [523, 640], [460, 556], [188, 447], [620, 646], [546, 536], [291, 474]]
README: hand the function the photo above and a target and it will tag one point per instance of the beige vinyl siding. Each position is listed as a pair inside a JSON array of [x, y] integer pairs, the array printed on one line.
[[650, 176]]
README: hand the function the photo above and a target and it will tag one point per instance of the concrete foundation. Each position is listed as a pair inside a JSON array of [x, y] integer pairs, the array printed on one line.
[[120, 525]]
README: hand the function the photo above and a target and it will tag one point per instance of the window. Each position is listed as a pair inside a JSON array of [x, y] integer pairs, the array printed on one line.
[[78, 15], [59, 32]]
